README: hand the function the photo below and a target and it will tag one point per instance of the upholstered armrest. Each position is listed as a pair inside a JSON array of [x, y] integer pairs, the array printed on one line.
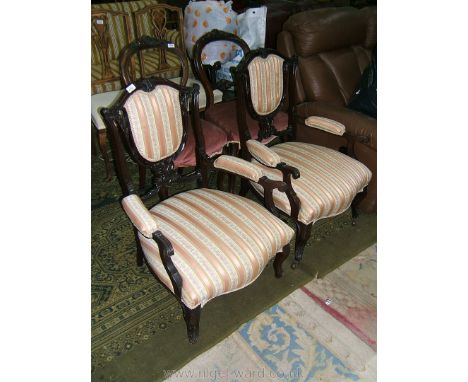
[[141, 218], [325, 124], [239, 166], [263, 154]]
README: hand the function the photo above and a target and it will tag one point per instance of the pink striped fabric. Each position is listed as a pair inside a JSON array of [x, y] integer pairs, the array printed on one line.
[[266, 83], [155, 121], [139, 215], [239, 166], [221, 241], [328, 183], [326, 124], [263, 153]]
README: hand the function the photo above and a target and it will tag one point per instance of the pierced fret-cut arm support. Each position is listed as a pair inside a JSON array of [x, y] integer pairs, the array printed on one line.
[[270, 158], [166, 251], [253, 173], [289, 173]]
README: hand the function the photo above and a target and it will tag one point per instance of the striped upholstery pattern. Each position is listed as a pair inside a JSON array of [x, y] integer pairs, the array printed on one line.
[[118, 39], [266, 83], [221, 242], [155, 121], [239, 166], [262, 153], [326, 124], [328, 183], [152, 61], [141, 218]]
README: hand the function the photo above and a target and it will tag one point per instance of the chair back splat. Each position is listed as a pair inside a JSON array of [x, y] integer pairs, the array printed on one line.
[[106, 44]]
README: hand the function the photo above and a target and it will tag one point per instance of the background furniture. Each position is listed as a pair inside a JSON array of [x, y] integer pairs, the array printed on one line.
[[321, 182], [200, 243], [123, 22], [334, 47]]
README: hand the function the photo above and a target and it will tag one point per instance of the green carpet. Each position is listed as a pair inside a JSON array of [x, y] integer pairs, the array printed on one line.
[[137, 326]]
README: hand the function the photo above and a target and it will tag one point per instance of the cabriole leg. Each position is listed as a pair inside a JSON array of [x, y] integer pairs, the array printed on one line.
[[355, 203], [302, 236], [192, 320], [279, 259]]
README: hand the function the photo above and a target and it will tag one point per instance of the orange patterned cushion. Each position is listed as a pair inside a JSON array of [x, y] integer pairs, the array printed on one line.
[[266, 83], [156, 122], [328, 183], [222, 242]]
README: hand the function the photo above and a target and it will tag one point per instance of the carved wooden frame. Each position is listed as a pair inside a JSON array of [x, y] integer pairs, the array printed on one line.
[[147, 42], [100, 37], [207, 73], [159, 28], [164, 173], [245, 105]]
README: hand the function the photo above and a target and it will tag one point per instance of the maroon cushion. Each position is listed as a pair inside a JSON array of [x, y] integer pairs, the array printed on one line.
[[224, 115], [215, 139]]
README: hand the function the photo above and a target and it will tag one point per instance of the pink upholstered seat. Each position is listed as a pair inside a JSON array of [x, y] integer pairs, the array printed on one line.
[[215, 139], [224, 115], [222, 242]]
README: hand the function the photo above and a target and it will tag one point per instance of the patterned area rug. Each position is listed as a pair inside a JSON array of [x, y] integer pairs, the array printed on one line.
[[325, 331], [137, 326]]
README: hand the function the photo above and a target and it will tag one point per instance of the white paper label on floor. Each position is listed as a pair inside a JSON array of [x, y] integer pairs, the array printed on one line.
[[130, 88], [100, 22], [171, 45]]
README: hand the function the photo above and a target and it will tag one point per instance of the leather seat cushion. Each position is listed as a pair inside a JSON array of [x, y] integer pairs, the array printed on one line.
[[224, 115], [215, 140], [221, 242], [328, 183]]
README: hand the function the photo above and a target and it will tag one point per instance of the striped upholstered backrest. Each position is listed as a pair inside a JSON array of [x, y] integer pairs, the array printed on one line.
[[155, 121], [266, 83]]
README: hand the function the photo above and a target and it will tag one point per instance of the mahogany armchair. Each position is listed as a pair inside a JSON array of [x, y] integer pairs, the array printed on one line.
[[214, 137], [200, 243], [321, 182], [224, 114]]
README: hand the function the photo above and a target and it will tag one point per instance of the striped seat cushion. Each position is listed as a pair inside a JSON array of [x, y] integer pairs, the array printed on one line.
[[221, 242], [328, 183]]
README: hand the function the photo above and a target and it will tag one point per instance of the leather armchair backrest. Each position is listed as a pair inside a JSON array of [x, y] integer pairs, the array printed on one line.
[[334, 46]]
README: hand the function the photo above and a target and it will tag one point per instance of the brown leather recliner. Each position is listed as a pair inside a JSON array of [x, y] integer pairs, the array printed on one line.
[[334, 46]]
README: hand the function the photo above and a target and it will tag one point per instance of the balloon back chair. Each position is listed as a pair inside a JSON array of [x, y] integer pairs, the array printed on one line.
[[224, 114], [321, 182], [200, 243], [215, 138]]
